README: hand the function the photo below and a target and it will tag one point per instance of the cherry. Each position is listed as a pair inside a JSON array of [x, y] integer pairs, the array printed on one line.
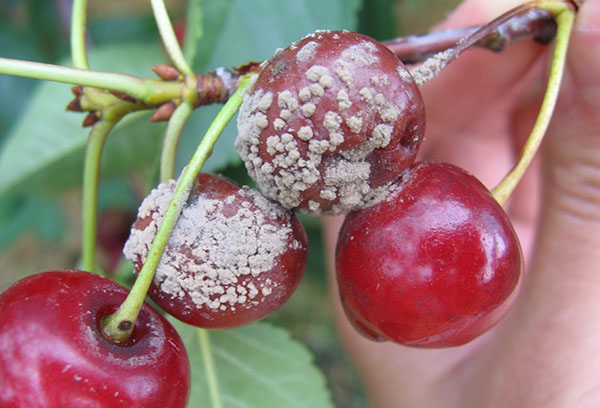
[[432, 265], [113, 230], [329, 122], [53, 353], [232, 258]]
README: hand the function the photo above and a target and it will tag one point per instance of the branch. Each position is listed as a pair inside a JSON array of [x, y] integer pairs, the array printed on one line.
[[535, 24], [433, 65]]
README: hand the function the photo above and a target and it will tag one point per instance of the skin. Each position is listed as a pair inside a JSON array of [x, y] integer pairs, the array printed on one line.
[[545, 353]]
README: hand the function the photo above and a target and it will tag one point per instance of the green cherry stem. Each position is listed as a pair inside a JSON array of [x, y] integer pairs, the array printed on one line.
[[84, 77], [119, 325], [209, 368], [194, 31], [78, 25], [112, 112], [89, 214], [171, 140], [149, 91], [564, 20], [168, 37]]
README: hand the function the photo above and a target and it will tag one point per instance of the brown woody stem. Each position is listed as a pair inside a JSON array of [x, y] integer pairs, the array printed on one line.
[[534, 24], [433, 65]]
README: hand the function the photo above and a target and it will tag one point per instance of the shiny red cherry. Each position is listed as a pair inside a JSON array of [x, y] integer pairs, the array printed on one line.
[[433, 265], [54, 355]]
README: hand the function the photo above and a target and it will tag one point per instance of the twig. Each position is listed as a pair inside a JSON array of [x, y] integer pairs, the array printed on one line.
[[535, 24], [433, 65]]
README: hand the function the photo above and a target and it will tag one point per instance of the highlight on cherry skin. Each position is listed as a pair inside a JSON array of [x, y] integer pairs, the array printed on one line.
[[435, 264], [233, 257], [329, 122], [53, 352]]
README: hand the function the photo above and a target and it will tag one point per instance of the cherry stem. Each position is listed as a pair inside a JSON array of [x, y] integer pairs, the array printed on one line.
[[565, 18], [89, 214], [149, 91], [194, 30], [78, 28], [119, 325], [168, 37], [536, 24], [113, 111], [209, 368], [171, 140]]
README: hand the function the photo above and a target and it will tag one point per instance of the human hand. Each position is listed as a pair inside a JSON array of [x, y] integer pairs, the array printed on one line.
[[479, 112]]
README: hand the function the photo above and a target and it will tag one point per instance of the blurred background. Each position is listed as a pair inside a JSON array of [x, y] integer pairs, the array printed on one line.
[[40, 202]]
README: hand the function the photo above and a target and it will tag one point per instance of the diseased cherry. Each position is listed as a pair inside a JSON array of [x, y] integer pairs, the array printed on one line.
[[53, 354], [329, 122], [432, 265], [233, 257]]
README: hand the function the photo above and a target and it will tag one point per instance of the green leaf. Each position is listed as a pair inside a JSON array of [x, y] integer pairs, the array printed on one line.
[[237, 31], [377, 19], [15, 91], [42, 21], [39, 215], [131, 28], [257, 366], [46, 145]]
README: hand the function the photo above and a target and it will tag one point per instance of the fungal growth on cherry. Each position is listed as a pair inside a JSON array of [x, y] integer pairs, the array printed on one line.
[[233, 257], [329, 123]]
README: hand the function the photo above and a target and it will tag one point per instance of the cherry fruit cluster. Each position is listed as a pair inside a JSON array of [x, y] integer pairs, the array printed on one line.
[[331, 125], [426, 256], [233, 258]]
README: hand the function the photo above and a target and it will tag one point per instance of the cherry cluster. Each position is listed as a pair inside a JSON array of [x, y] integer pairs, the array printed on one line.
[[330, 125], [233, 258], [426, 256]]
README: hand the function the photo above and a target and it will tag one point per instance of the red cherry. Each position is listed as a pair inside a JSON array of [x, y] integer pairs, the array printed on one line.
[[233, 257], [329, 122], [433, 265], [53, 354], [180, 28], [113, 230]]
